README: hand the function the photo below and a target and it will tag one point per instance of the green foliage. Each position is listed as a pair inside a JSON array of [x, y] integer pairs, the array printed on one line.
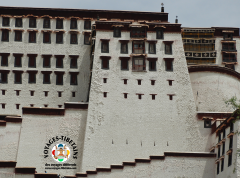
[[235, 105]]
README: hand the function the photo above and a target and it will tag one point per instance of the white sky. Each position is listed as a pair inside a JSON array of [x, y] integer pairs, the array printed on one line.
[[191, 13]]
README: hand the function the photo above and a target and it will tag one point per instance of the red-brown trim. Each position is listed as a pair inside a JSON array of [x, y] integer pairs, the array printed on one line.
[[103, 169], [213, 115], [105, 57], [59, 56], [123, 41], [124, 58], [105, 39], [47, 55], [46, 72], [4, 71], [13, 119], [46, 175], [168, 59], [43, 111], [17, 71], [2, 123], [152, 41], [59, 72], [117, 166], [189, 154], [152, 58], [32, 55], [25, 170], [8, 163], [17, 54], [74, 56], [32, 71], [168, 42], [4, 54]]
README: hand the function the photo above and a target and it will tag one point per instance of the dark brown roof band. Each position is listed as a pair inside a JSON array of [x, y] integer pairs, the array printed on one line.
[[124, 58], [8, 163], [13, 119], [46, 175], [4, 54], [74, 56], [25, 170], [43, 111], [17, 54], [76, 105], [152, 58]]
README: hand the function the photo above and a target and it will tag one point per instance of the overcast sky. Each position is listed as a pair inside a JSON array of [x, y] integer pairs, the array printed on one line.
[[191, 13]]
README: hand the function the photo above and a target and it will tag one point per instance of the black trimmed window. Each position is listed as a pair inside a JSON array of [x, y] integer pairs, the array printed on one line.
[[218, 167], [207, 122], [124, 48], [32, 61], [168, 48], [4, 77], [153, 82], [124, 64], [87, 38], [73, 78], [59, 62], [46, 78], [230, 159], [117, 32], [5, 21], [229, 57], [17, 106], [46, 37], [153, 96], [32, 92], [222, 165], [18, 61], [18, 35], [32, 77], [73, 94], [73, 24], [138, 32], [138, 47], [219, 136], [32, 37], [139, 63], [105, 46], [152, 64], [59, 24], [73, 63], [223, 148], [231, 142], [46, 23], [32, 23], [152, 48], [59, 37], [46, 61], [4, 59], [59, 78], [105, 62], [5, 35], [18, 78], [231, 126], [74, 38], [87, 25], [224, 133], [18, 22], [168, 64], [159, 34], [219, 152], [227, 36]]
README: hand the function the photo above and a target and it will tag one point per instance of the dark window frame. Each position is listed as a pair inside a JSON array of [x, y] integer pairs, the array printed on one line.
[[45, 37], [59, 23], [87, 36], [16, 61], [103, 50], [169, 64], [73, 23], [32, 38], [153, 82], [59, 62], [170, 49], [32, 77], [73, 94], [33, 58], [152, 64], [18, 22], [87, 24], [59, 78], [18, 78], [46, 23], [4, 78], [73, 78], [74, 63], [105, 64], [5, 36], [140, 49], [47, 78], [4, 60], [138, 32], [154, 47], [159, 34], [136, 67], [222, 165], [73, 38], [45, 58], [5, 21], [117, 32], [122, 47], [59, 38], [223, 148], [229, 159], [18, 36], [207, 123], [32, 22]]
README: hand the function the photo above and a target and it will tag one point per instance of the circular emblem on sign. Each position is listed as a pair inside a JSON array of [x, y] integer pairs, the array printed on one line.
[[61, 152]]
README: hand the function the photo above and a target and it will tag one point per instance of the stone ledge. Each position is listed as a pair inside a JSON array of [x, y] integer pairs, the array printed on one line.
[[76, 105], [46, 175], [43, 111]]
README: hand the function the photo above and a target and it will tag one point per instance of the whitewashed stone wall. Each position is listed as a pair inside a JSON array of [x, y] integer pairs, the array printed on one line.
[[39, 100], [120, 129]]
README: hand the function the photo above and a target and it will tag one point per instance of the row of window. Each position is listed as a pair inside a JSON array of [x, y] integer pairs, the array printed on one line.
[[138, 47], [45, 93], [46, 23], [222, 163], [46, 77], [139, 81], [32, 61], [31, 105], [46, 37], [139, 64]]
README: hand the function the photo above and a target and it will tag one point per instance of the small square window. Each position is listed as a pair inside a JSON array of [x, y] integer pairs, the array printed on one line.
[[152, 82], [59, 106], [73, 94], [125, 81], [152, 65], [105, 64], [46, 93], [168, 48], [152, 48], [124, 48], [5, 21], [32, 37], [139, 82], [104, 80], [73, 63], [18, 61], [18, 22], [46, 62], [59, 38], [59, 94], [73, 24], [59, 79], [105, 94], [125, 95], [153, 97], [4, 78], [105, 47], [140, 97], [46, 23], [207, 124], [32, 93], [46, 37], [59, 62], [170, 97], [170, 82], [31, 77], [5, 35], [32, 62], [18, 36], [31, 105], [73, 39], [32, 23], [159, 34], [3, 92], [46, 78], [45, 105], [3, 105], [4, 61], [18, 78], [117, 32], [87, 25], [87, 38], [17, 92], [59, 24], [73, 80], [17, 106], [124, 64]]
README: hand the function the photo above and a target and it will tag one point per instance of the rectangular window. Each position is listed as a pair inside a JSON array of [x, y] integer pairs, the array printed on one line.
[[31, 77], [124, 64], [139, 82], [45, 105], [152, 82], [73, 24], [105, 94], [104, 80], [152, 65], [4, 60], [5, 35], [105, 47], [231, 126], [152, 48], [124, 48], [31, 93], [170, 84], [218, 168], [3, 105], [60, 106], [159, 34], [125, 95], [87, 38], [168, 48], [46, 62], [230, 159], [207, 124], [18, 61], [138, 32], [17, 106], [105, 64], [32, 23], [125, 81], [59, 62], [3, 92], [117, 32], [139, 63], [153, 97], [168, 65], [59, 79], [231, 143], [219, 152], [32, 37], [46, 37], [17, 92], [87, 25], [73, 80], [138, 47], [222, 165], [18, 22], [59, 24], [4, 77], [59, 38], [219, 137], [229, 57], [227, 36], [46, 78], [224, 133], [45, 93], [32, 61], [73, 94], [139, 96], [46, 23], [73, 39], [223, 148], [5, 21], [18, 78], [18, 36], [73, 63]]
